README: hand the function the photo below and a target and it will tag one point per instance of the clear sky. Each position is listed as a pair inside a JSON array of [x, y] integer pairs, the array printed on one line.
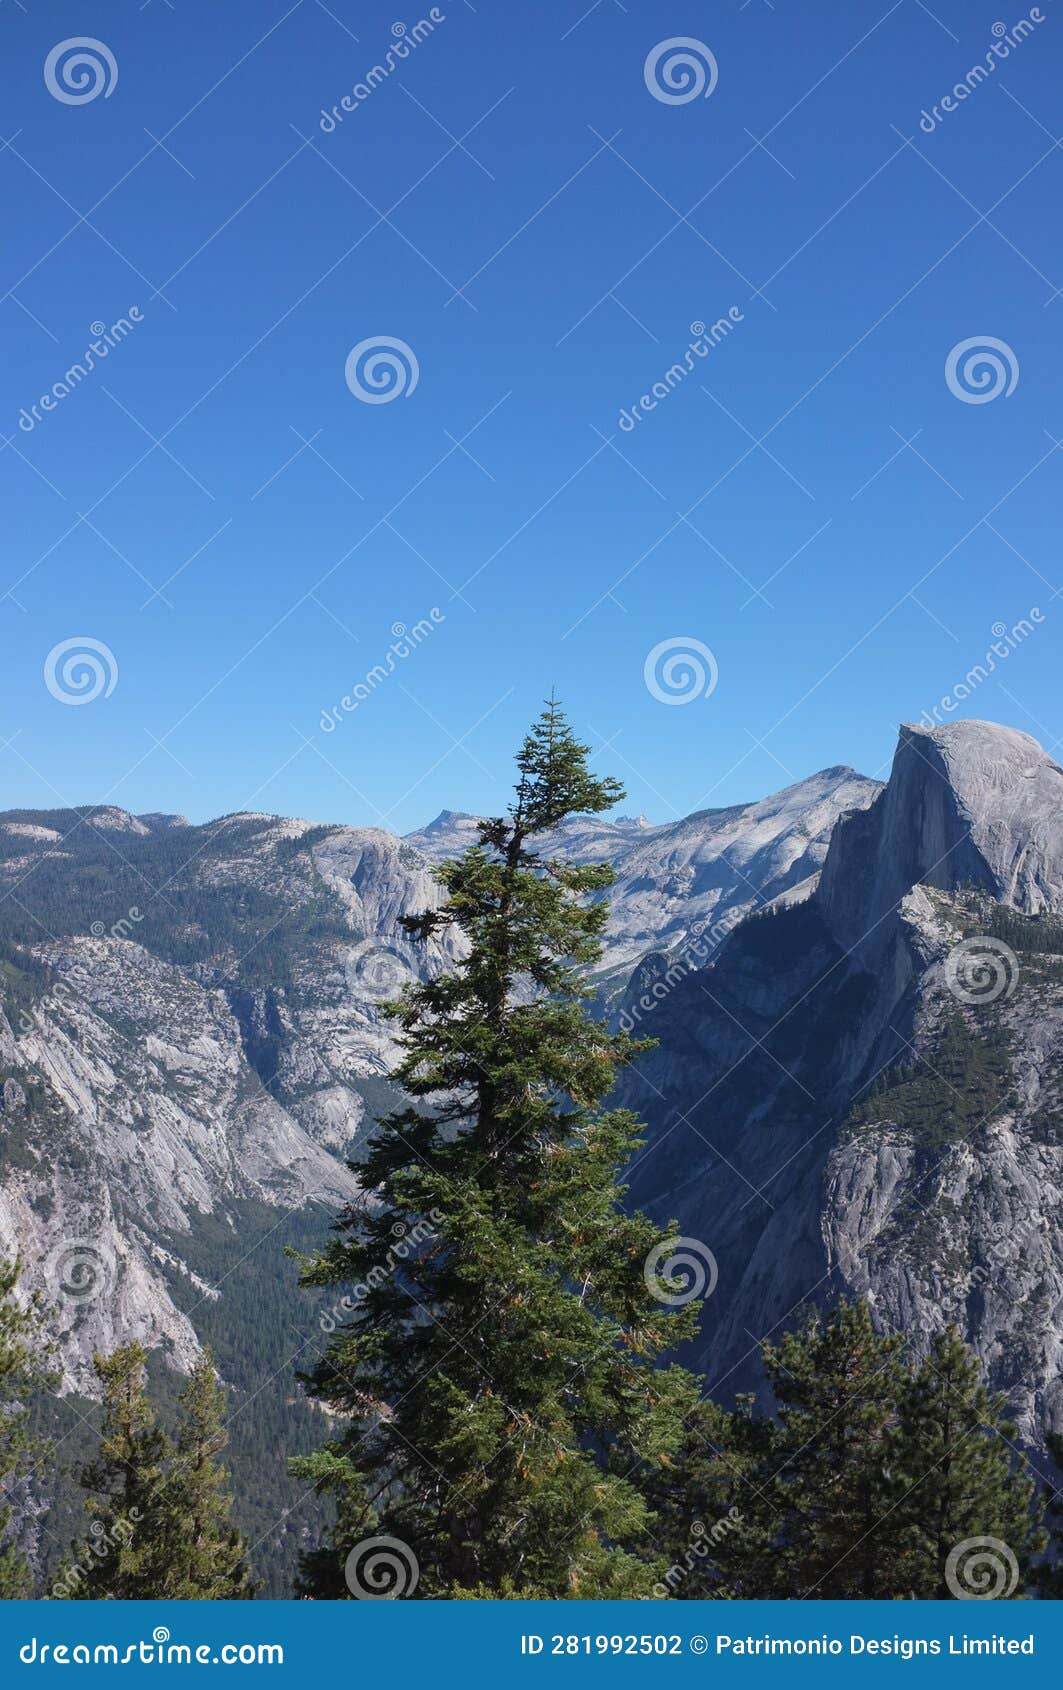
[[812, 501]]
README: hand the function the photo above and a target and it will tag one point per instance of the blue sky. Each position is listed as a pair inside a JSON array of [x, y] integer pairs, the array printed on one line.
[[517, 207]]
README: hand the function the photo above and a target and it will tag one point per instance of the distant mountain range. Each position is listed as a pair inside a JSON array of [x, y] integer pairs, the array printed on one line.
[[842, 1099]]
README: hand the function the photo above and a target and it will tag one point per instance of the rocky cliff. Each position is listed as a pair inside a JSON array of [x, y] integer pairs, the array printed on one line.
[[863, 1094], [189, 1033]]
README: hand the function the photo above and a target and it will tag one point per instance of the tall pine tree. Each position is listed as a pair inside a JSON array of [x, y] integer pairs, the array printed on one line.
[[160, 1511], [208, 1555], [875, 1478], [954, 1456], [500, 1384], [124, 1557], [23, 1374]]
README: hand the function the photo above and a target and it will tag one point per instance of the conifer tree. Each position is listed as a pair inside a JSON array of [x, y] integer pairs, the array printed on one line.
[[811, 1484], [207, 1556], [966, 1524], [836, 1383], [500, 1383], [125, 1556], [160, 1525], [23, 1374], [874, 1478], [1048, 1576]]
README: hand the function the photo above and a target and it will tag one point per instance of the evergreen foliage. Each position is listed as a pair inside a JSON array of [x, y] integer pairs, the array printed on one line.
[[160, 1526], [500, 1386], [876, 1478], [23, 1373]]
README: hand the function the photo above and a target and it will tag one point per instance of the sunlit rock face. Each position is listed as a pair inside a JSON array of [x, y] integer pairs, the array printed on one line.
[[862, 1094]]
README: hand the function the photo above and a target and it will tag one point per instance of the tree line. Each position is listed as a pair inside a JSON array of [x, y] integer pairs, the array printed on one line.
[[509, 1419]]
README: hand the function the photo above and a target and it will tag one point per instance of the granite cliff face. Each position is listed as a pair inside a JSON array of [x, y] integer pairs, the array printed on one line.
[[863, 1093], [189, 1043], [858, 992]]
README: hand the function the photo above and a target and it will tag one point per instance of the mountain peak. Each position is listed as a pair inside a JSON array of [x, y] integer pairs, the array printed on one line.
[[967, 803]]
